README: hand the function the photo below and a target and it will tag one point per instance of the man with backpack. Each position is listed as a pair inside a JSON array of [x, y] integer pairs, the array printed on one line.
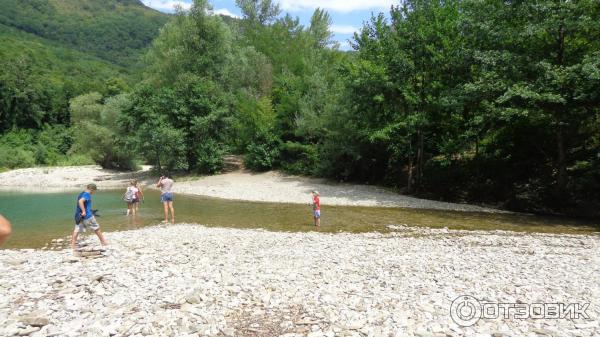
[[84, 216]]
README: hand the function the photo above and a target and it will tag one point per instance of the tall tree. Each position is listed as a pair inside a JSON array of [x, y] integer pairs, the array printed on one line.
[[188, 65], [319, 28], [407, 66], [532, 58], [261, 12]]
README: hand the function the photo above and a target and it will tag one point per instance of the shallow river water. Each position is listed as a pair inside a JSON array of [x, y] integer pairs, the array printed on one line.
[[39, 218]]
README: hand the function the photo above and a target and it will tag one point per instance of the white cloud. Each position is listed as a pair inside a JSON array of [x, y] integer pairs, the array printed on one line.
[[336, 5], [345, 45], [167, 5], [343, 29], [226, 12]]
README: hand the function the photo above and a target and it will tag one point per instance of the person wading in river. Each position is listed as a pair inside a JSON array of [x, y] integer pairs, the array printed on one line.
[[84, 216], [5, 229], [166, 197], [130, 197], [139, 196], [316, 204]]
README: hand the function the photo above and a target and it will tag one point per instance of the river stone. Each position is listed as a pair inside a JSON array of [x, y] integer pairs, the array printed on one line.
[[28, 331], [193, 298], [228, 331], [35, 321], [356, 324], [16, 261], [501, 334], [423, 333]]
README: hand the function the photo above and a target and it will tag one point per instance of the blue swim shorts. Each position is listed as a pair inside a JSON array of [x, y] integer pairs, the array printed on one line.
[[165, 197], [317, 214]]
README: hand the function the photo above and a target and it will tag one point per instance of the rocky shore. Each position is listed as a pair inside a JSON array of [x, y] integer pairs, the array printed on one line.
[[53, 179], [190, 280]]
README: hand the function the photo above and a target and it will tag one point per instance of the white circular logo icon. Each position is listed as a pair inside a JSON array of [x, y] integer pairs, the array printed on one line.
[[465, 310]]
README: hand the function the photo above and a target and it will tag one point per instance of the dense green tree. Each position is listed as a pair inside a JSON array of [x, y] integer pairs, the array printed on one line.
[[482, 100], [187, 64], [401, 87], [531, 59], [261, 12], [98, 133]]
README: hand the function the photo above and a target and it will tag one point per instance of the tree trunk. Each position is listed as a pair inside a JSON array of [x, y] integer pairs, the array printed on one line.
[[561, 164], [158, 162], [409, 183], [419, 178]]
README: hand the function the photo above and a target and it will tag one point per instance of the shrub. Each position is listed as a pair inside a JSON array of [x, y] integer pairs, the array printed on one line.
[[262, 154], [210, 157], [299, 158], [16, 157], [162, 145], [75, 160], [101, 136]]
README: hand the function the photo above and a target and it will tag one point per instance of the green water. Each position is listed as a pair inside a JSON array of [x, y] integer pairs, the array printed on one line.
[[39, 218]]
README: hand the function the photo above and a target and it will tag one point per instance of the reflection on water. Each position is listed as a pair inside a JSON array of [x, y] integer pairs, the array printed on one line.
[[39, 218]]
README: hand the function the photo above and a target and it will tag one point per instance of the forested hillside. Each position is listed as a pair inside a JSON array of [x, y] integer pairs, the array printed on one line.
[[479, 101], [115, 30], [53, 51]]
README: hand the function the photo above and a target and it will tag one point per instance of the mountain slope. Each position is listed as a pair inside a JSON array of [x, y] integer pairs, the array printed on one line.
[[115, 30], [54, 63]]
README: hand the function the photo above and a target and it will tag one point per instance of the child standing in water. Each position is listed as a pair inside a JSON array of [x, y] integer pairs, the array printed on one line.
[[139, 196], [316, 204], [130, 197]]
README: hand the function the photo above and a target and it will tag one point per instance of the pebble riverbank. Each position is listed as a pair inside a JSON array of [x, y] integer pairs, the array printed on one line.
[[270, 186], [190, 280]]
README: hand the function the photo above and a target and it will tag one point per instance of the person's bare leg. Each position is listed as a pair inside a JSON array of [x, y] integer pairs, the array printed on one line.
[[318, 222], [166, 205], [172, 211], [5, 229], [101, 237], [74, 239]]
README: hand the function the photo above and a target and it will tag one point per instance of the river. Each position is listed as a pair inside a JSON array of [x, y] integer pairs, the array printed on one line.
[[40, 217]]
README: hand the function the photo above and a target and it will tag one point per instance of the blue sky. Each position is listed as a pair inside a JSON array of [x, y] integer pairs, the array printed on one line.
[[347, 15]]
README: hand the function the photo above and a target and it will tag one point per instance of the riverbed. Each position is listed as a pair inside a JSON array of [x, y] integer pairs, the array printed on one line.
[[39, 218], [191, 280]]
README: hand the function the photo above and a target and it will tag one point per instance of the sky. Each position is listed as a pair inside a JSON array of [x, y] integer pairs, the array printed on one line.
[[347, 15]]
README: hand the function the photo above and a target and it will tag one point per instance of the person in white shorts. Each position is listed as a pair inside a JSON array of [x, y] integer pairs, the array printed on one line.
[[84, 216]]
